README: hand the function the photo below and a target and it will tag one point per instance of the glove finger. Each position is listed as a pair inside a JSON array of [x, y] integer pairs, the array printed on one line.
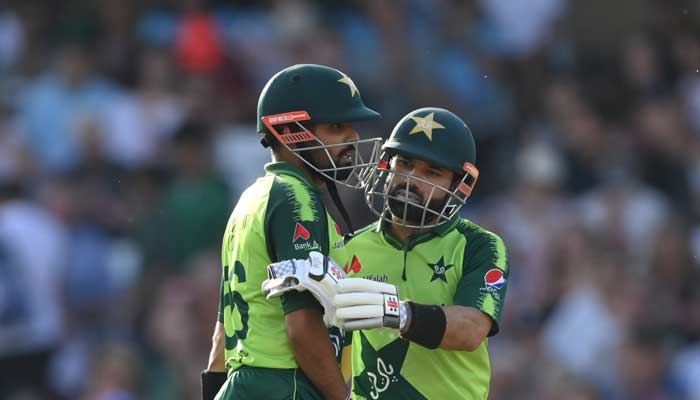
[[364, 285], [356, 312], [366, 323], [357, 298]]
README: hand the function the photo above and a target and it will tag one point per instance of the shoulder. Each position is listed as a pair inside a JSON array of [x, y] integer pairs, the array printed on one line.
[[481, 244], [291, 199], [476, 233], [287, 188]]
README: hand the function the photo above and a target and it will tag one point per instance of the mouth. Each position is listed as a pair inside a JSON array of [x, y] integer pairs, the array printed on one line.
[[409, 196], [347, 155]]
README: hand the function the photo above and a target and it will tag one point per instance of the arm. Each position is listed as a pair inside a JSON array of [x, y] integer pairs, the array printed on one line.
[[308, 337], [294, 227], [466, 328], [214, 377], [216, 356], [365, 304]]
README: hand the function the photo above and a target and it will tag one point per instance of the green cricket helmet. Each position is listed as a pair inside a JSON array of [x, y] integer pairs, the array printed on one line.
[[440, 138], [309, 94]]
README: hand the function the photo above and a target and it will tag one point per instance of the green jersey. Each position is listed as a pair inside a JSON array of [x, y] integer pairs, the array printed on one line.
[[458, 263], [279, 217]]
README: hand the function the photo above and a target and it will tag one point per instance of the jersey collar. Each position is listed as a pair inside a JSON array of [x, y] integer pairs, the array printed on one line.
[[285, 168], [438, 231]]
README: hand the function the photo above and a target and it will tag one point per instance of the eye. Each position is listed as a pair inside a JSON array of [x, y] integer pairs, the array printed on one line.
[[337, 126], [402, 162]]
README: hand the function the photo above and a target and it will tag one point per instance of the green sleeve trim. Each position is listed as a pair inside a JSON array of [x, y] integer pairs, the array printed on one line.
[[294, 301], [484, 254]]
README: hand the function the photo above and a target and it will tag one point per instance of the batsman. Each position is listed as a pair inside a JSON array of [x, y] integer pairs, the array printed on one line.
[[433, 281], [280, 348]]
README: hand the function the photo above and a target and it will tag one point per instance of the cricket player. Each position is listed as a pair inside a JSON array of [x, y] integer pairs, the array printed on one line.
[[280, 348], [435, 280]]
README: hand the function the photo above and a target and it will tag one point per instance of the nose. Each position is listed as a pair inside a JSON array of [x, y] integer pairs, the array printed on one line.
[[416, 185], [352, 135]]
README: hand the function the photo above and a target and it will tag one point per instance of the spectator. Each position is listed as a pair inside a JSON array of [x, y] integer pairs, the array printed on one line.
[[32, 269]]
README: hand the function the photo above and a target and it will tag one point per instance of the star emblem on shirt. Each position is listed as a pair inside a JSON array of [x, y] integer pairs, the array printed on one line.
[[425, 125], [346, 80], [381, 377], [439, 269]]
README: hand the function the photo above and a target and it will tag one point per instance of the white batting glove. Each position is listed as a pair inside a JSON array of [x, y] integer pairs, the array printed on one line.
[[318, 274], [366, 304]]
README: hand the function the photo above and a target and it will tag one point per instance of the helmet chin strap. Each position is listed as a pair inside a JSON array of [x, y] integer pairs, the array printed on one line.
[[333, 191]]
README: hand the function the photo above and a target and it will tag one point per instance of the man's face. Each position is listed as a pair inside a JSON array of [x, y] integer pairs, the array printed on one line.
[[343, 156], [418, 192]]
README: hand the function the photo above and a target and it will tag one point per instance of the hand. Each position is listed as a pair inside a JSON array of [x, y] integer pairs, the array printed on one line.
[[365, 304], [318, 274]]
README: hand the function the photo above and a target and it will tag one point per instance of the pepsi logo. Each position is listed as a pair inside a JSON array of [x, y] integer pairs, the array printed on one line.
[[495, 278]]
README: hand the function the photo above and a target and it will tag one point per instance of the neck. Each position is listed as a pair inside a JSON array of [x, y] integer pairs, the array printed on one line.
[[401, 232]]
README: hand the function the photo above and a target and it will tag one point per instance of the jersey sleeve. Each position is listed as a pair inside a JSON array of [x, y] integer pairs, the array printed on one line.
[[484, 276], [295, 224]]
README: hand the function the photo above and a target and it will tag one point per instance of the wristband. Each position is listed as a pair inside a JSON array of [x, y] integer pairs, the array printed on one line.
[[426, 325]]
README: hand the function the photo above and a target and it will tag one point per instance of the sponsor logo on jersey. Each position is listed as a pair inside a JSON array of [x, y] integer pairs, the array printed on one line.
[[377, 278], [354, 266], [308, 246], [337, 229], [300, 233], [495, 278]]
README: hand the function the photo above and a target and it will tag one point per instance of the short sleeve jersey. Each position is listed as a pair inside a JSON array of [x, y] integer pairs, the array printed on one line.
[[279, 217], [458, 263]]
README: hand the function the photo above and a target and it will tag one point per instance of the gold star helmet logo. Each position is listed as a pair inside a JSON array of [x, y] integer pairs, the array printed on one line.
[[346, 80], [426, 125]]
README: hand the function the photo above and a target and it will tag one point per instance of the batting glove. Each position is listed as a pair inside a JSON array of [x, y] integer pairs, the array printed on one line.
[[366, 304], [318, 274]]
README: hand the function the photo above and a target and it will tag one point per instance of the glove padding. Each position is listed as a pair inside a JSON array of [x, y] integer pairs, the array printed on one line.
[[366, 304], [318, 274]]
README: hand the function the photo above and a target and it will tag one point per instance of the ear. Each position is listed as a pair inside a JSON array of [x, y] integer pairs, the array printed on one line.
[[284, 130]]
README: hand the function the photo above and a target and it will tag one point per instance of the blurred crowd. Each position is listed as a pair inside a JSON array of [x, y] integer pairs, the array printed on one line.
[[127, 132]]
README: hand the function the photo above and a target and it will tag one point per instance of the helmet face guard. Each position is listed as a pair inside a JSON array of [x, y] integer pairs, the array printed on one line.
[[355, 175], [402, 211]]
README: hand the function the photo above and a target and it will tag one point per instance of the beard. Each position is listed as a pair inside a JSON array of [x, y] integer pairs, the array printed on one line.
[[414, 213], [343, 165]]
